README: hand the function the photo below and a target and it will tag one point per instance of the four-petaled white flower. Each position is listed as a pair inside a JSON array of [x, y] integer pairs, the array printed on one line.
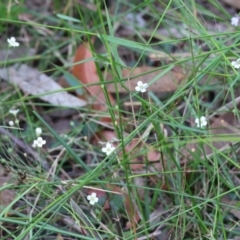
[[141, 87], [38, 131], [201, 122], [14, 112], [12, 42], [39, 142], [235, 20], [11, 123], [236, 64], [108, 149], [92, 198]]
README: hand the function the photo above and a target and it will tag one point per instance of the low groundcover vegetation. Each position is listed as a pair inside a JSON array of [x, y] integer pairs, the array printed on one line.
[[120, 119]]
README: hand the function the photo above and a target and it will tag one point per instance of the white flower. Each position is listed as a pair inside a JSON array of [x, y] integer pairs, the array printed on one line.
[[235, 20], [38, 131], [39, 142], [141, 87], [11, 123], [108, 149], [92, 198], [12, 42], [201, 122], [236, 64], [14, 112]]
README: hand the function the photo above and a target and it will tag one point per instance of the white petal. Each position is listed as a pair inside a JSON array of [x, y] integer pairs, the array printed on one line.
[[14, 112], [137, 88], [237, 66], [108, 145], [12, 42], [94, 194], [104, 149], [89, 197], [235, 20], [11, 123], [197, 120], [38, 131]]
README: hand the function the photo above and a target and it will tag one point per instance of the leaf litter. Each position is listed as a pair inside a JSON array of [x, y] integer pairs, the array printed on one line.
[[86, 72], [33, 82]]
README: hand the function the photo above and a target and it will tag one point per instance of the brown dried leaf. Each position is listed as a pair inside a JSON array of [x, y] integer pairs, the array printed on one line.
[[86, 73], [140, 183], [167, 83], [33, 82], [233, 3]]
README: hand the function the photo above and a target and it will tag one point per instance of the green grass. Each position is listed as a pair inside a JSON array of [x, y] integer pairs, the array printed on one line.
[[184, 193]]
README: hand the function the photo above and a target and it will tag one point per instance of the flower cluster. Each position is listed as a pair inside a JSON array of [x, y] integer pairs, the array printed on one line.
[[40, 141], [235, 20], [141, 87], [92, 198], [12, 42], [108, 149], [14, 113]]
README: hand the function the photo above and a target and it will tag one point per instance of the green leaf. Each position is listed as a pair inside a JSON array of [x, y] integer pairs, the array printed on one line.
[[64, 17], [73, 82]]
